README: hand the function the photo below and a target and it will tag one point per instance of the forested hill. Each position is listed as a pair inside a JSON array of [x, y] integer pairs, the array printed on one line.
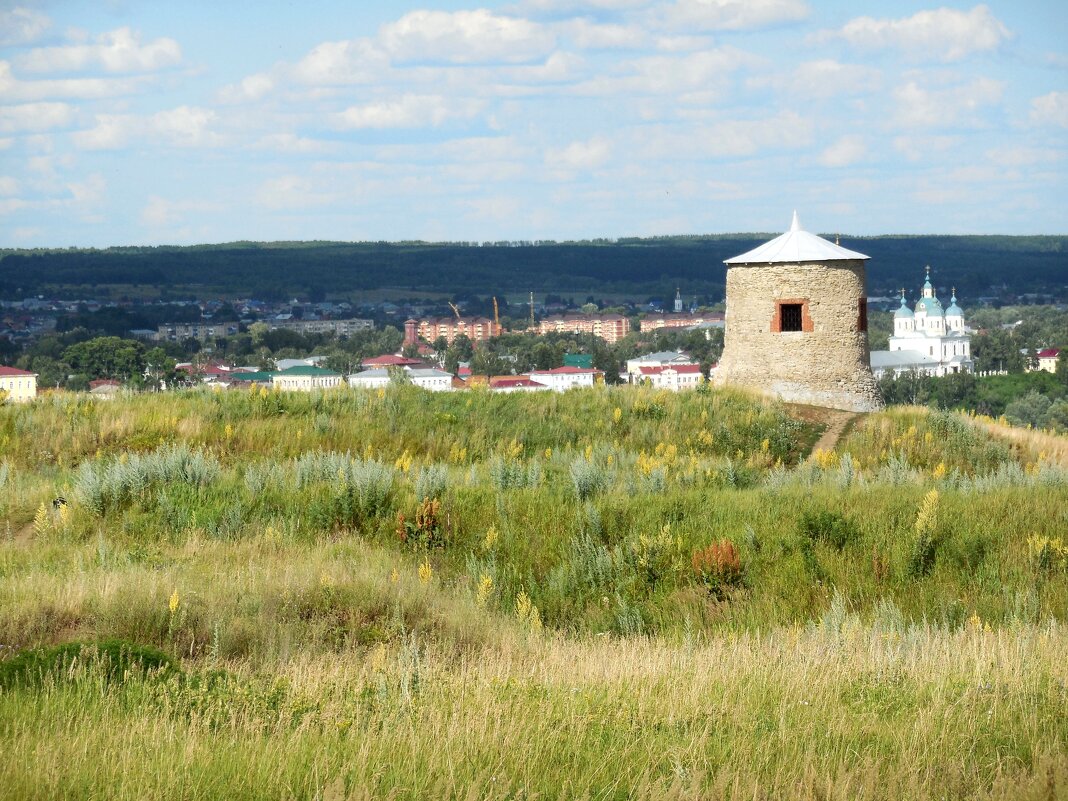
[[635, 267]]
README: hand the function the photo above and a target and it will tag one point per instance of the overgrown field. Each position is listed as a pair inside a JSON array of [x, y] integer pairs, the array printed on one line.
[[612, 593]]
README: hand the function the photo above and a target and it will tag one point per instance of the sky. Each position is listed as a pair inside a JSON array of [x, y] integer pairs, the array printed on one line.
[[125, 123]]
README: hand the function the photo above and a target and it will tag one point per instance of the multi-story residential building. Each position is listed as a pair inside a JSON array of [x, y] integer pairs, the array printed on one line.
[[609, 327], [667, 358], [17, 386], [477, 329], [654, 322], [1047, 360], [672, 377], [565, 378], [341, 328], [177, 332]]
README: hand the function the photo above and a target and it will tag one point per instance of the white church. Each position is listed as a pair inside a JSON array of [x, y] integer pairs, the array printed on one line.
[[926, 340]]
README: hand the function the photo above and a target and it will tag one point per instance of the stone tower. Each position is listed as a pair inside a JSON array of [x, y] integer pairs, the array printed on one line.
[[797, 323]]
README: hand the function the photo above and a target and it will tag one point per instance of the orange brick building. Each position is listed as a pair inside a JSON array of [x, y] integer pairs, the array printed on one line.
[[609, 327], [477, 329]]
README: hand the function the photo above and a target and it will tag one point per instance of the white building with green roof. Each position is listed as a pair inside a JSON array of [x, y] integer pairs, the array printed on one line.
[[927, 338]]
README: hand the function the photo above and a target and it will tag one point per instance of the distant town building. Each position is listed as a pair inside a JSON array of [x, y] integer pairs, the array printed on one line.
[[660, 359], [797, 323], [926, 339], [1047, 360], [18, 386], [477, 329], [654, 322], [609, 327], [513, 383], [672, 377], [428, 378], [179, 332], [341, 328], [561, 379], [306, 379]]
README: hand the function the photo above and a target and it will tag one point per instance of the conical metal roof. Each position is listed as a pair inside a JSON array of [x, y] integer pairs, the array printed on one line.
[[795, 247]]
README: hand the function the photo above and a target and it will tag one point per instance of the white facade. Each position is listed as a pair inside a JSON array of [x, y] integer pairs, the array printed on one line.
[[18, 386], [673, 377], [374, 378], [561, 379], [305, 379], [430, 379], [927, 339], [661, 359], [1047, 360], [425, 377]]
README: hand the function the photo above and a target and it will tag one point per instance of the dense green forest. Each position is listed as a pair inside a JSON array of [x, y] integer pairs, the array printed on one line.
[[637, 267]]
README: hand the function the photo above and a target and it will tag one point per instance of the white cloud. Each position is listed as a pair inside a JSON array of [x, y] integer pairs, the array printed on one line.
[[8, 185], [729, 138], [346, 62], [917, 148], [291, 192], [920, 107], [11, 88], [115, 51], [588, 34], [1051, 109], [251, 88], [587, 155], [944, 34], [578, 6], [825, 78], [847, 150], [111, 132], [409, 111], [160, 212], [291, 143], [35, 116], [726, 15], [90, 191], [465, 37], [707, 71], [1019, 156], [21, 25], [184, 126]]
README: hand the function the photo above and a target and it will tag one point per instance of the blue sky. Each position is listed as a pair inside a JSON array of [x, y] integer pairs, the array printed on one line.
[[159, 123]]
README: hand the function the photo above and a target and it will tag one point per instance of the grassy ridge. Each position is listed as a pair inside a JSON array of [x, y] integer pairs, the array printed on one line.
[[612, 593]]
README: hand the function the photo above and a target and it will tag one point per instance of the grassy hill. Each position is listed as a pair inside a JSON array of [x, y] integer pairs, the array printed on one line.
[[614, 593]]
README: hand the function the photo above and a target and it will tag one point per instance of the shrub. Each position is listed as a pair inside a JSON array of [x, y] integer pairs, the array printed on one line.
[[718, 567], [102, 486], [830, 527], [588, 478], [431, 482], [118, 660]]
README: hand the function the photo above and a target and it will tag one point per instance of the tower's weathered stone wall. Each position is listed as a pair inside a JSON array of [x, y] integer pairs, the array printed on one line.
[[827, 363]]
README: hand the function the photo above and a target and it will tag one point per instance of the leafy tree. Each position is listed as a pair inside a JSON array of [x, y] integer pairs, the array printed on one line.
[[1029, 410], [107, 357]]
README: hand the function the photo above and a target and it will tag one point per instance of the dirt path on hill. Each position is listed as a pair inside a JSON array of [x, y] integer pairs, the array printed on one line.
[[837, 421]]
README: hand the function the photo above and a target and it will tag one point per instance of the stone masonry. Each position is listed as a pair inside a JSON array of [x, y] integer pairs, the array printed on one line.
[[824, 364]]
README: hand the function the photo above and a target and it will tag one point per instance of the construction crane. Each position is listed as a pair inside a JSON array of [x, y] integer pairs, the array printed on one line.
[[496, 315], [454, 309]]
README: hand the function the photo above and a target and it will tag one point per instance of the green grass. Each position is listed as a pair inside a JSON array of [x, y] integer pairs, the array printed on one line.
[[397, 594]]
